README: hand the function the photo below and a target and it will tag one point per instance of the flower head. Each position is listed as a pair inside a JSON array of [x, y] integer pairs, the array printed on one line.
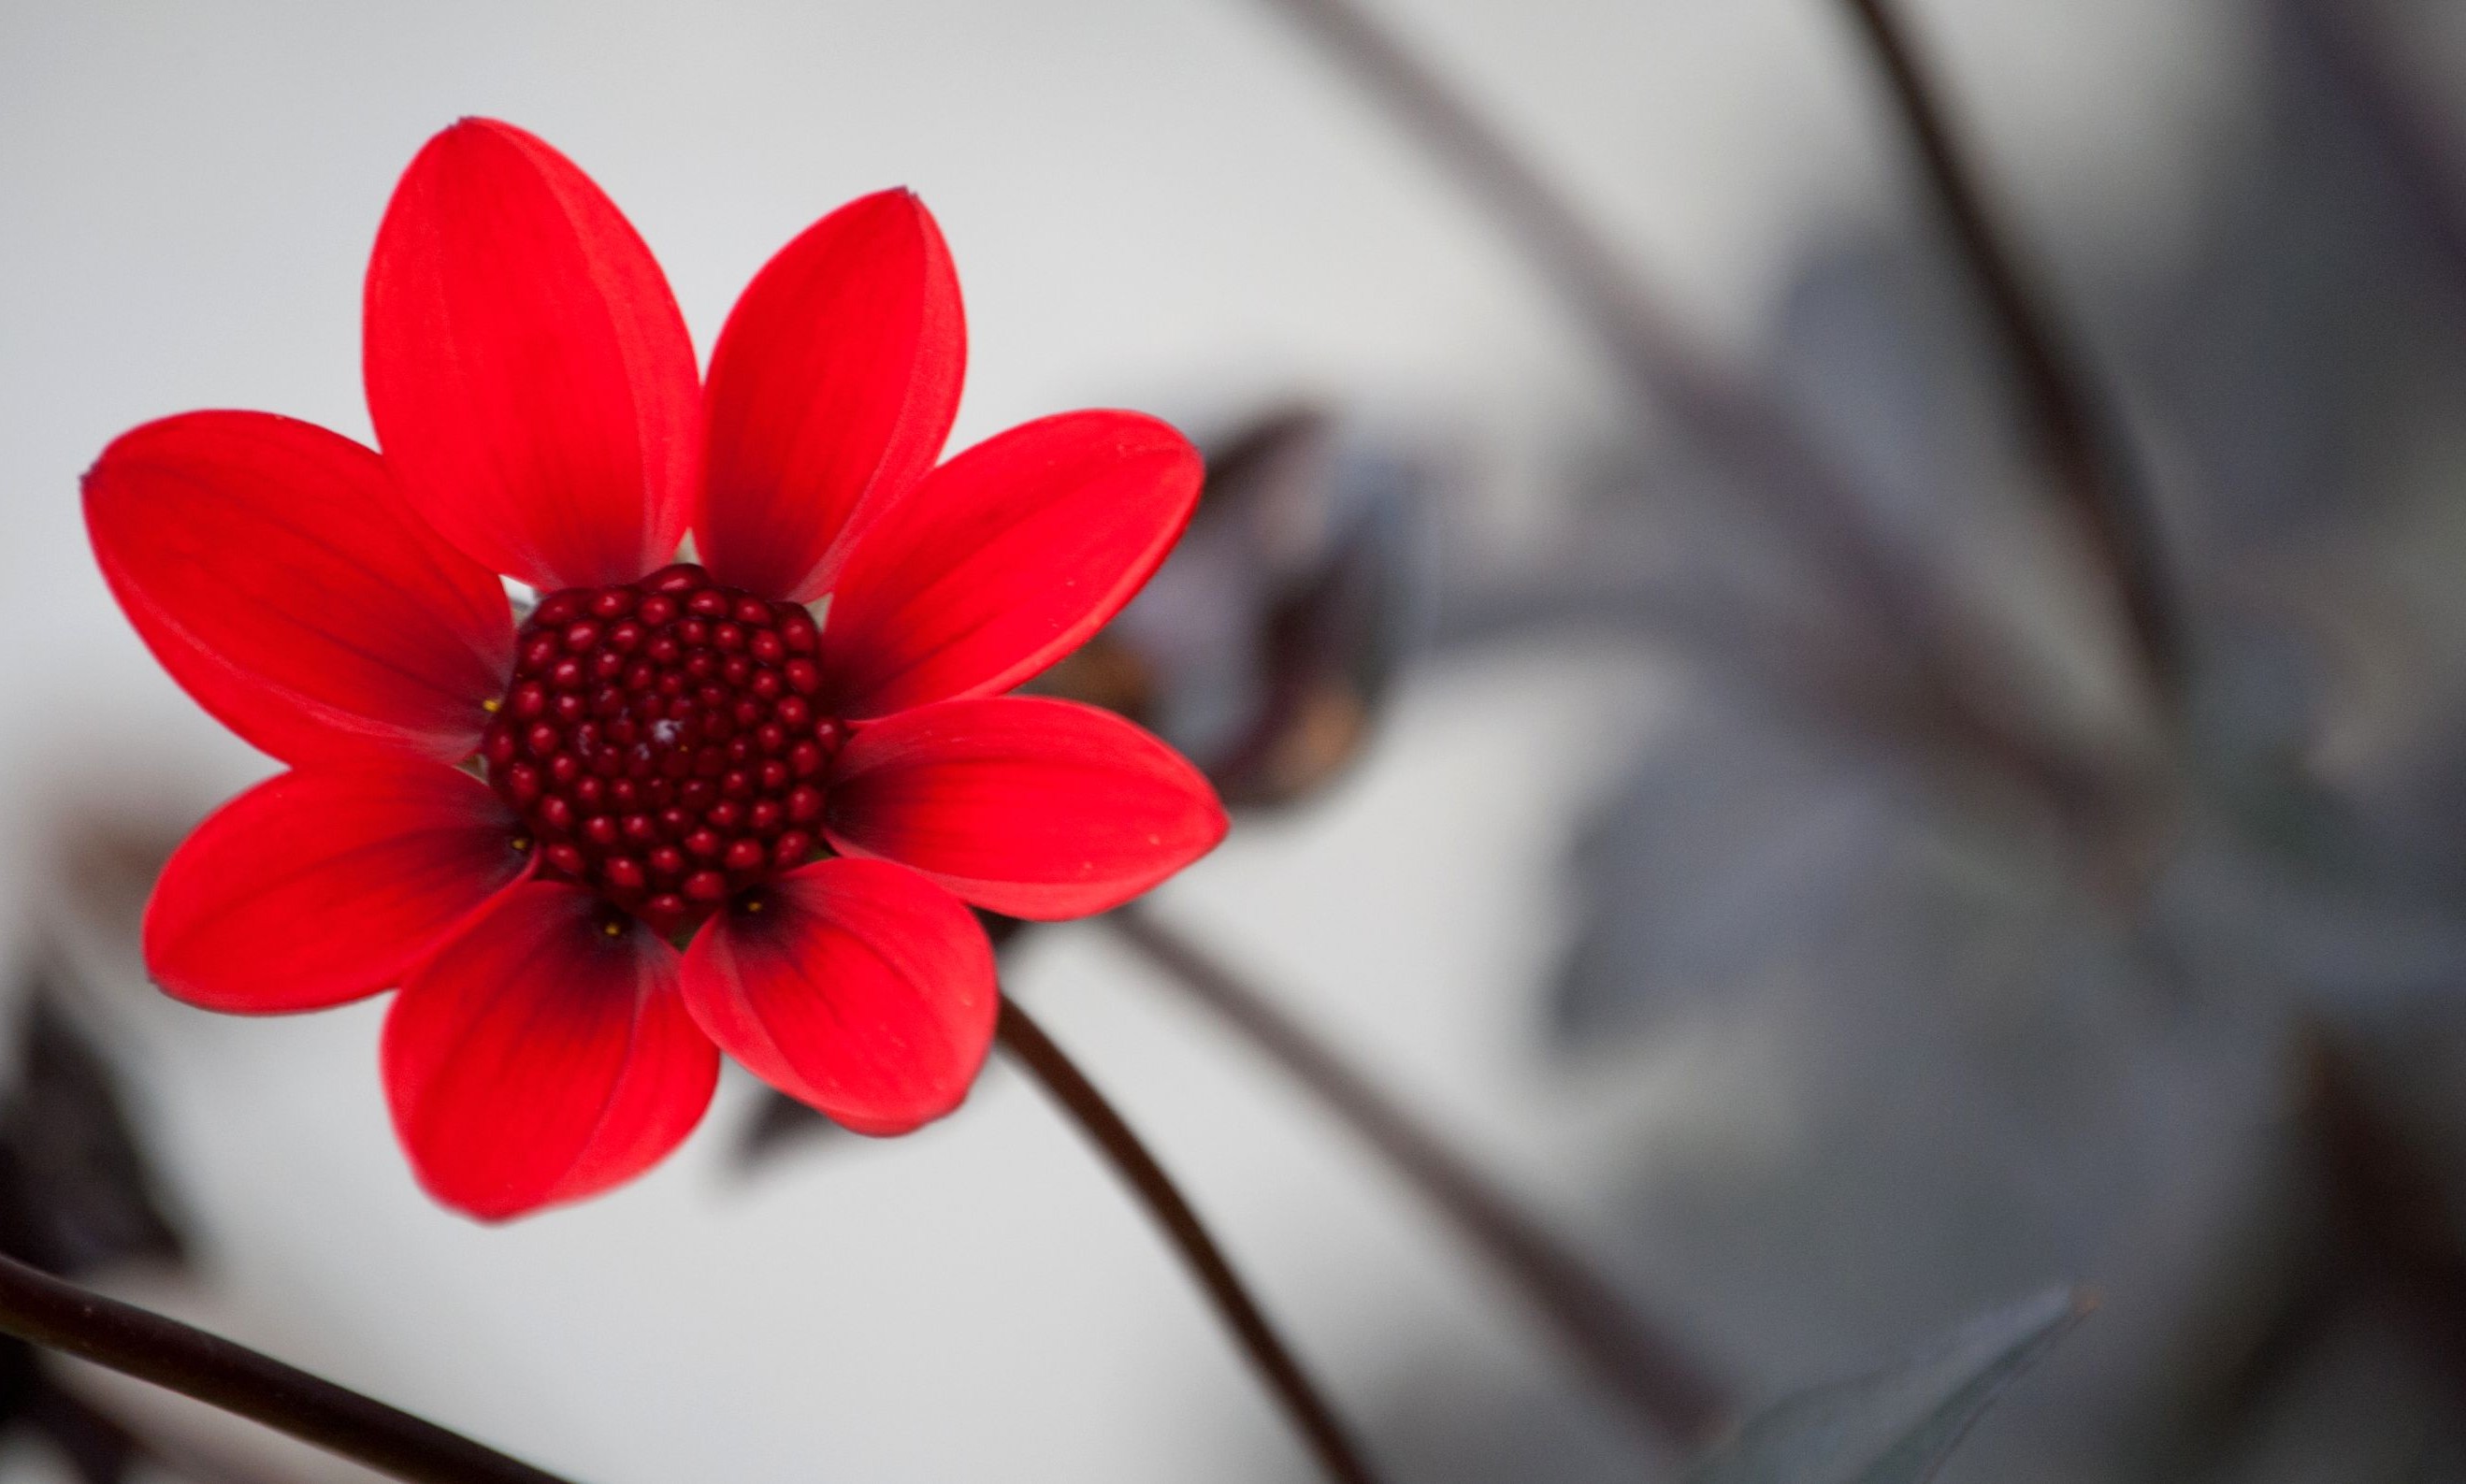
[[518, 826]]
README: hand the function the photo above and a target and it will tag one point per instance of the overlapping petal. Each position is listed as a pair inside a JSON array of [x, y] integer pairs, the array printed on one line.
[[528, 372], [857, 987], [1004, 559], [1034, 807], [277, 575], [832, 390], [544, 1055], [326, 884]]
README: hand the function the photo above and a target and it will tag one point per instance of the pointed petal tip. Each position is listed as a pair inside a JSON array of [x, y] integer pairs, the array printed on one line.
[[1007, 557], [473, 125], [1026, 805], [325, 885], [528, 373], [275, 570], [831, 392]]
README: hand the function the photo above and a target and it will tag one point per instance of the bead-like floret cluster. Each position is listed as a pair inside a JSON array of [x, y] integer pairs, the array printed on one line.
[[660, 738]]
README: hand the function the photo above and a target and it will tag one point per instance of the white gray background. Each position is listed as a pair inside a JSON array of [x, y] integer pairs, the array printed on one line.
[[1173, 205]]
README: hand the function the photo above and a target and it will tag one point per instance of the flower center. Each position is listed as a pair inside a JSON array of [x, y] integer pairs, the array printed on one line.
[[661, 739]]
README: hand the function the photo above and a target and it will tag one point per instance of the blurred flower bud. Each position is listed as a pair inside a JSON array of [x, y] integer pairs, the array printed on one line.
[[1266, 645]]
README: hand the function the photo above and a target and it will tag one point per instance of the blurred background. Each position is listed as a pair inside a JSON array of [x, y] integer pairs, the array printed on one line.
[[1690, 752]]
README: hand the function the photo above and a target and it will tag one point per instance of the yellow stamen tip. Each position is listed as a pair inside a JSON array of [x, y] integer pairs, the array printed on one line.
[[490, 705], [613, 927]]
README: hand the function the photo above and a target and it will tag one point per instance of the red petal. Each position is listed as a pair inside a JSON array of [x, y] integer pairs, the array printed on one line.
[[275, 570], [539, 1058], [1005, 559], [528, 369], [1033, 807], [833, 386], [857, 986], [323, 886]]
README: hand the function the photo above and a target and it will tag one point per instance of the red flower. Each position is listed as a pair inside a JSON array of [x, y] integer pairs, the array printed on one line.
[[670, 752]]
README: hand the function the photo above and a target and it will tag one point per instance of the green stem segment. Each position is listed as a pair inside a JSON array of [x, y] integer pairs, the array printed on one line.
[[45, 1310], [1326, 1436], [1650, 1373]]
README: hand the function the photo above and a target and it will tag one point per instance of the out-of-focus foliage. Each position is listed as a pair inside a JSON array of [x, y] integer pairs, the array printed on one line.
[[1896, 1426], [78, 1196], [2022, 968], [76, 1192]]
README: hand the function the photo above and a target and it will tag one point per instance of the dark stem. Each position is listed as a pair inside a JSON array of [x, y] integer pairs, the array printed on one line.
[[2073, 437], [1327, 1437], [58, 1315], [1645, 1370]]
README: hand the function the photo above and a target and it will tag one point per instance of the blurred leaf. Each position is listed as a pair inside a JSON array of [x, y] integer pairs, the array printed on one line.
[[99, 1449], [1896, 1426], [1735, 844], [76, 1192]]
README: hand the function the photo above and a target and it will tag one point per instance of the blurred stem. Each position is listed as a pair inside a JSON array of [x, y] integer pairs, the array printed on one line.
[[1671, 1393], [1574, 258], [1327, 1437], [45, 1310], [2110, 499]]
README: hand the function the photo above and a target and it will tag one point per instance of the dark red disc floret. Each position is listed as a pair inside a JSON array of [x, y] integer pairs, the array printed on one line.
[[661, 739]]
